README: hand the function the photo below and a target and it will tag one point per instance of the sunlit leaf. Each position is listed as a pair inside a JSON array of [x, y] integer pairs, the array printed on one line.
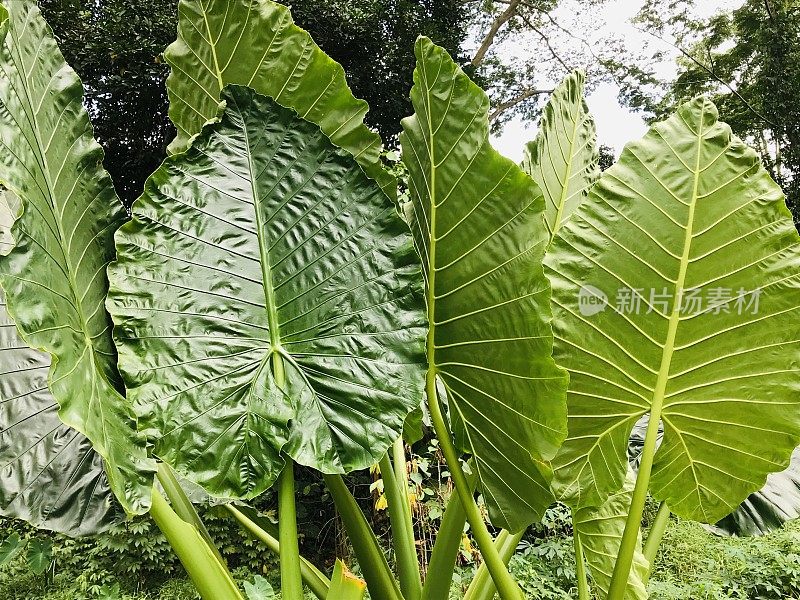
[[255, 43], [477, 223], [563, 159], [600, 531], [687, 213]]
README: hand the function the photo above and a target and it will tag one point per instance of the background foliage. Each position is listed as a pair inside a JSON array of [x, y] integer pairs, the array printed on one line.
[[116, 45], [746, 59]]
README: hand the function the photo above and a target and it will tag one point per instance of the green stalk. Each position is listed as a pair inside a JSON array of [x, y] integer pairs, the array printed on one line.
[[482, 586], [211, 577], [405, 548], [506, 586], [622, 567], [401, 475], [380, 581], [445, 548], [580, 568], [183, 506], [291, 578], [312, 577], [656, 534]]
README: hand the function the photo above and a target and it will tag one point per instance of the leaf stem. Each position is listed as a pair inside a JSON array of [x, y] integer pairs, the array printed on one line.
[[401, 474], [405, 548], [291, 579], [482, 586], [211, 577], [656, 534], [580, 568], [445, 549], [380, 581], [183, 506], [312, 577], [627, 548], [506, 586]]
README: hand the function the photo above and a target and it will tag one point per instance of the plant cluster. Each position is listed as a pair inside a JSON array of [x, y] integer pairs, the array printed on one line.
[[272, 303]]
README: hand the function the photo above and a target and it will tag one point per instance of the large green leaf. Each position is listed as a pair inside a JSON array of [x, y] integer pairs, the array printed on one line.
[[255, 43], [265, 238], [687, 212], [477, 223], [51, 476], [54, 278], [600, 531], [10, 548], [768, 509], [563, 159]]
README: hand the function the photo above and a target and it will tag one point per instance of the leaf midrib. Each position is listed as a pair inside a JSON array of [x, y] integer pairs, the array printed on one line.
[[212, 44], [669, 345], [263, 249], [567, 175]]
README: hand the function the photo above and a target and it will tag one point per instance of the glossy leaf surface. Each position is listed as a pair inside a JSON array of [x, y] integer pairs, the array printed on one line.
[[687, 212], [477, 223], [51, 476], [256, 44], [264, 238], [600, 530], [54, 278], [563, 159]]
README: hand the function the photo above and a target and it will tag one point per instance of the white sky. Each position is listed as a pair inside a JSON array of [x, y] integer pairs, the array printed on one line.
[[616, 125]]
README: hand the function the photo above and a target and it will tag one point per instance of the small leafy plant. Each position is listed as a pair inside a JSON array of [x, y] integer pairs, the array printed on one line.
[[271, 301], [38, 553]]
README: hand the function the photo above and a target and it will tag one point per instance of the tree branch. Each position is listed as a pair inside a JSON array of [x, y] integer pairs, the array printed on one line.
[[770, 12], [546, 40], [497, 24], [519, 98]]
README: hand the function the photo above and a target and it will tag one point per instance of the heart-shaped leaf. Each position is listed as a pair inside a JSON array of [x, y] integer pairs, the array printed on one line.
[[264, 238], [255, 43], [40, 555], [677, 293], [259, 589], [477, 223], [54, 278], [9, 548]]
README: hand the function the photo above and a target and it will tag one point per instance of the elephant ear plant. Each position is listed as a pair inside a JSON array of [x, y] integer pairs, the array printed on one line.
[[674, 292], [266, 304]]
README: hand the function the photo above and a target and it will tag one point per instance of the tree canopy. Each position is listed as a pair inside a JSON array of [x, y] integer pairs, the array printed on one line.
[[116, 46], [748, 61]]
